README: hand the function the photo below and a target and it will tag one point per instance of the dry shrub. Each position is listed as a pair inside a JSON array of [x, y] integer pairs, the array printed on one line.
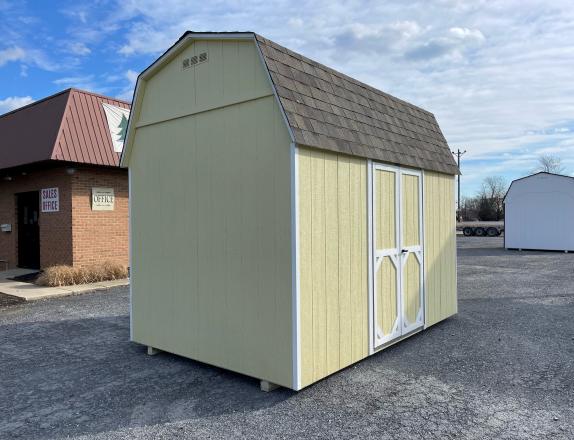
[[68, 275]]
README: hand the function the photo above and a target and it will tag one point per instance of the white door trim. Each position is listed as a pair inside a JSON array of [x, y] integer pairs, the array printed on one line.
[[378, 256], [417, 251], [396, 255]]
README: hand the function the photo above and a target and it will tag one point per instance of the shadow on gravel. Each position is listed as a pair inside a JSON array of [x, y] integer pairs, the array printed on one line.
[[9, 300], [498, 252], [76, 377]]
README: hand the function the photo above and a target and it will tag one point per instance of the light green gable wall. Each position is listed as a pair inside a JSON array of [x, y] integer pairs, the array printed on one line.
[[233, 74], [211, 234]]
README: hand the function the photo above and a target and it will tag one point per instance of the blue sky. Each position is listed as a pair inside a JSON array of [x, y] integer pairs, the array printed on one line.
[[497, 74]]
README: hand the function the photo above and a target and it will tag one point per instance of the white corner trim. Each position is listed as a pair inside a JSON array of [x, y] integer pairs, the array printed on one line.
[[131, 250], [370, 248], [295, 281]]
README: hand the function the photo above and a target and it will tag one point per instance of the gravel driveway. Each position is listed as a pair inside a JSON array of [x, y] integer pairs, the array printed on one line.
[[502, 368]]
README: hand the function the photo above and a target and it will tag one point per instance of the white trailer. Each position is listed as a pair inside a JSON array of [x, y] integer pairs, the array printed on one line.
[[539, 213]]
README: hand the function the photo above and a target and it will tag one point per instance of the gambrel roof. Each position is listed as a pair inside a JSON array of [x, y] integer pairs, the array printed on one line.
[[569, 180], [70, 126], [329, 110]]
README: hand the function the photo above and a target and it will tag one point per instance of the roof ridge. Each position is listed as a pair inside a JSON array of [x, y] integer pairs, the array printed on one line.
[[39, 101], [56, 144], [68, 90], [98, 95]]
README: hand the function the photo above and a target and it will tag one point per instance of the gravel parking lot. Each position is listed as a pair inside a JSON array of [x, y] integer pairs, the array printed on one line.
[[502, 368]]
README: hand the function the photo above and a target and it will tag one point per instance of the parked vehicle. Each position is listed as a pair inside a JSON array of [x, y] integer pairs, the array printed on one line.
[[481, 229]]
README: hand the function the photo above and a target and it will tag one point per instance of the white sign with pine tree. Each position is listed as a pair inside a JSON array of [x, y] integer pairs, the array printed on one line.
[[118, 123]]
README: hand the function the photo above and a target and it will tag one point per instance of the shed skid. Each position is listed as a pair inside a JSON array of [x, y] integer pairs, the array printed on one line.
[[268, 386], [267, 249], [151, 351]]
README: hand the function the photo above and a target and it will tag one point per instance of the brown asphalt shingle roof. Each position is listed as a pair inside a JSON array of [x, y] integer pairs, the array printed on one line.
[[332, 111]]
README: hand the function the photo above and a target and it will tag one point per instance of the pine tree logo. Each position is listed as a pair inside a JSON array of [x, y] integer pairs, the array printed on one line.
[[122, 127], [117, 118]]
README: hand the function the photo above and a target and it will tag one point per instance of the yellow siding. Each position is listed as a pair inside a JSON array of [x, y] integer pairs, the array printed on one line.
[[211, 222], [440, 247], [332, 194]]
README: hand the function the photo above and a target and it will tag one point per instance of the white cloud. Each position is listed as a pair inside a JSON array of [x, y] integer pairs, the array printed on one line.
[[295, 22], [496, 74], [14, 102], [71, 80], [467, 34], [28, 57], [132, 77], [84, 82], [127, 92], [11, 54], [79, 48]]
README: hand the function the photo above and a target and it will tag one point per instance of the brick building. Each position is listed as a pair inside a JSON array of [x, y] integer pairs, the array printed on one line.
[[63, 197]]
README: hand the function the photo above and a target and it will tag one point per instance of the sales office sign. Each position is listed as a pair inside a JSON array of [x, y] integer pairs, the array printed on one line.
[[50, 200], [103, 199]]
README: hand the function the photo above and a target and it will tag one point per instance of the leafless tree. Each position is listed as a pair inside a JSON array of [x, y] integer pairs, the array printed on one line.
[[469, 209], [549, 163], [491, 198]]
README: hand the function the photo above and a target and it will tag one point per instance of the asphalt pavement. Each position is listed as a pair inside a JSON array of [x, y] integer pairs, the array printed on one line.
[[503, 368]]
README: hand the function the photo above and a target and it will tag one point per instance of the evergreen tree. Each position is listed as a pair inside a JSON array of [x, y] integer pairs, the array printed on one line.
[[123, 128]]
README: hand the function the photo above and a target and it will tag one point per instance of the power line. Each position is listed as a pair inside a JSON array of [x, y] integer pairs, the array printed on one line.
[[458, 153]]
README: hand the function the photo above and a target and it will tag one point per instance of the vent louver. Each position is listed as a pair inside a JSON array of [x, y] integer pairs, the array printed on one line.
[[186, 63]]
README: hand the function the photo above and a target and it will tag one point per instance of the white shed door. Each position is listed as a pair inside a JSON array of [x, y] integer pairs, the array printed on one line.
[[397, 253]]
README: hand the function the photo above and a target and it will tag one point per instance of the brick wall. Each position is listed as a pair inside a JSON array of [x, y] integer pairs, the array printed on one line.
[[75, 235], [55, 227], [99, 235]]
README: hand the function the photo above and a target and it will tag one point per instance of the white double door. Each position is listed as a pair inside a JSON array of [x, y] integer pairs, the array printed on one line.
[[397, 253]]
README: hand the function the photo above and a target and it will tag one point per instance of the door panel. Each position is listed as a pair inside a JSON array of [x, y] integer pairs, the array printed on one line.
[[386, 211], [397, 253], [411, 290], [387, 299], [411, 250], [410, 212]]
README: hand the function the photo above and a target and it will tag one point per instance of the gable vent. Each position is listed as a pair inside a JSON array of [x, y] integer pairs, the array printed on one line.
[[186, 63]]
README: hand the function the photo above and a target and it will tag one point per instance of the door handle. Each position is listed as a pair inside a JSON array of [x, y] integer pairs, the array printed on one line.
[[404, 251]]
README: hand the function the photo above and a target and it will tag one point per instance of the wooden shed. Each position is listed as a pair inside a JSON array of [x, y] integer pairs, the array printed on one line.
[[538, 213], [287, 220]]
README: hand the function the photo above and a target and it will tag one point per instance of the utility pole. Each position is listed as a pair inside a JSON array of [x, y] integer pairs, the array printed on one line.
[[458, 153]]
